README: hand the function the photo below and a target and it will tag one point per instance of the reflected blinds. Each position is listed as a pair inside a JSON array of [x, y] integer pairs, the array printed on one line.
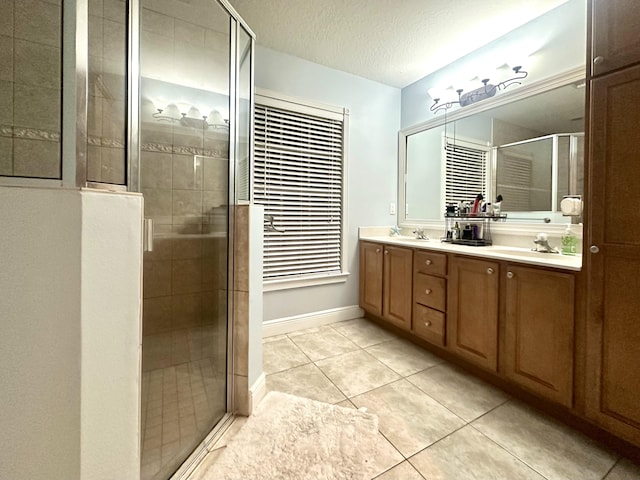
[[298, 178], [466, 171]]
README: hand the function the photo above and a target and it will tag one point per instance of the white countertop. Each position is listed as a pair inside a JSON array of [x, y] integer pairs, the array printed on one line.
[[494, 252]]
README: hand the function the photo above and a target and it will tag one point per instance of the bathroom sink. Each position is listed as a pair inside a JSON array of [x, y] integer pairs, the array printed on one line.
[[523, 252]]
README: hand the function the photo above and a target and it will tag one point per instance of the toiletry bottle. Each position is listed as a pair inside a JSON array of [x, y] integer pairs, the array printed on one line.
[[569, 241], [455, 234]]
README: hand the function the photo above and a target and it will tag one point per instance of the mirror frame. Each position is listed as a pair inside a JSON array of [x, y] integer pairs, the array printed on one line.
[[550, 83]]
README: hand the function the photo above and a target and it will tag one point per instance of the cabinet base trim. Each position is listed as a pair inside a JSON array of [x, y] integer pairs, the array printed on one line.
[[280, 326]]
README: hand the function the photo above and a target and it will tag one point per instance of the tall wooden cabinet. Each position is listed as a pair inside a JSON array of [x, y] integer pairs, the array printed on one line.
[[539, 331], [613, 219], [472, 325], [615, 39]]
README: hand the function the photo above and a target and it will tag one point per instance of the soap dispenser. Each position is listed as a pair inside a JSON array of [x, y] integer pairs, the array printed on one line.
[[569, 241]]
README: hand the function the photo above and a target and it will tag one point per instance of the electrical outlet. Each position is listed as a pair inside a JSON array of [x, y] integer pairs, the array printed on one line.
[[392, 208]]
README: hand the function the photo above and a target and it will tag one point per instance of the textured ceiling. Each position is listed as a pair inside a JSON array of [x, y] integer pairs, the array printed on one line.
[[395, 42]]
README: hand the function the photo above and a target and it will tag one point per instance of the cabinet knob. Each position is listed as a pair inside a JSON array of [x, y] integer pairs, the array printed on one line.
[[594, 249], [377, 250], [490, 271], [510, 274], [427, 323], [427, 291], [427, 262], [386, 252], [599, 60]]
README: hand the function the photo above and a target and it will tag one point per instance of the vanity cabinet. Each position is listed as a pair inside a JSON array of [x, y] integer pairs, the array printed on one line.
[[385, 282], [371, 277], [615, 42], [539, 331], [429, 296], [613, 329], [472, 325]]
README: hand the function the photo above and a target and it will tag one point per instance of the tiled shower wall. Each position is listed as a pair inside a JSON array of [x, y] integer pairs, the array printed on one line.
[[30, 88], [106, 102]]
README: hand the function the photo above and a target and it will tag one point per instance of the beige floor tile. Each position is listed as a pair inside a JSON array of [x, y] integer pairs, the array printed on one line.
[[282, 355], [403, 471], [387, 455], [624, 470], [273, 338], [409, 418], [324, 343], [403, 357], [363, 332], [305, 381], [357, 372], [552, 449], [462, 393], [467, 453]]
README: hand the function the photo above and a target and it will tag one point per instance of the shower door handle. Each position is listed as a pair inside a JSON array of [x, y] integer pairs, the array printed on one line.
[[147, 236]]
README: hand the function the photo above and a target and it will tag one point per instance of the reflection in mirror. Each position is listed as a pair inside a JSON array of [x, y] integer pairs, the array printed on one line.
[[448, 162]]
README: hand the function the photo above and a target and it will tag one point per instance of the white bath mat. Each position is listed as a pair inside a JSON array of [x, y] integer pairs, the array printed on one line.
[[294, 438]]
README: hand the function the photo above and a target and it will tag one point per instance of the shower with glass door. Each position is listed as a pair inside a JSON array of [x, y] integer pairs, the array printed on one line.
[[195, 78]]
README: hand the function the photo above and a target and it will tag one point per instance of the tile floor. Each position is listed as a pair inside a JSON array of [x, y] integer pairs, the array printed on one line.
[[436, 421], [180, 404]]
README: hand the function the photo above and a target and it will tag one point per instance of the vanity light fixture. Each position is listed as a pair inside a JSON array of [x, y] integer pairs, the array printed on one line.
[[486, 91], [171, 113]]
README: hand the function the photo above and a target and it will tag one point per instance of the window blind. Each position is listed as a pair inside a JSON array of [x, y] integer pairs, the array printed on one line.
[[298, 177], [466, 171], [514, 180]]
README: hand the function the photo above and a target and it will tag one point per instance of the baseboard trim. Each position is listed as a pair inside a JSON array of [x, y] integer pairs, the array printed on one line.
[[257, 391], [281, 326]]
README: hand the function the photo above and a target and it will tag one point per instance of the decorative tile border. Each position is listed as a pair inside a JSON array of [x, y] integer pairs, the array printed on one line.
[[29, 133]]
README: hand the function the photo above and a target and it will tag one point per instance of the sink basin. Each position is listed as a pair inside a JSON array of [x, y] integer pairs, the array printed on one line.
[[523, 252]]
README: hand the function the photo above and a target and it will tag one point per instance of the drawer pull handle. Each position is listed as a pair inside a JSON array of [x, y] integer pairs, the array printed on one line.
[[427, 291], [598, 60], [427, 323], [510, 274], [490, 271], [427, 262]]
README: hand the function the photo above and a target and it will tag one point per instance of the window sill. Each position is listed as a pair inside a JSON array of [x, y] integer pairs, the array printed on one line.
[[284, 284]]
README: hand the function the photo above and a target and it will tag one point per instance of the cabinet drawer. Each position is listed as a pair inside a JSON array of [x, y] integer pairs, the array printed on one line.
[[430, 263], [430, 291], [428, 324]]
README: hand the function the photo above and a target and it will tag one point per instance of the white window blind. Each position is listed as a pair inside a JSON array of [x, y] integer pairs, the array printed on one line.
[[466, 171], [514, 180], [298, 177]]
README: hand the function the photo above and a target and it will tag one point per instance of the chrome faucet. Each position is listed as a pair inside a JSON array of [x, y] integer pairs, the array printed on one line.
[[419, 233], [542, 244]]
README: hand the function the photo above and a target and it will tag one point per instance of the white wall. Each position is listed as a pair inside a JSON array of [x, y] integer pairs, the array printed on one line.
[[555, 42], [70, 343], [372, 164]]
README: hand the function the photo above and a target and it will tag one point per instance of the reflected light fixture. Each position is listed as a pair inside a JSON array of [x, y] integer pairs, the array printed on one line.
[[486, 91], [193, 118]]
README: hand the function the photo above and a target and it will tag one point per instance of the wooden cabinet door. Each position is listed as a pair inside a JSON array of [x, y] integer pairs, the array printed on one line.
[[615, 35], [472, 314], [397, 283], [539, 333], [371, 277], [613, 254]]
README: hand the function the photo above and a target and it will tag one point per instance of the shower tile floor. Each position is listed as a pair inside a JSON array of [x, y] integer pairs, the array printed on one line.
[[180, 405], [436, 421]]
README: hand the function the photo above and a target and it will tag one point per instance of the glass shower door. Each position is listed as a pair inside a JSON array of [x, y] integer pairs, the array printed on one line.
[[184, 177]]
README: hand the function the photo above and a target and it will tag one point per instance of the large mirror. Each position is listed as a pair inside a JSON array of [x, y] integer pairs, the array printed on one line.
[[525, 145]]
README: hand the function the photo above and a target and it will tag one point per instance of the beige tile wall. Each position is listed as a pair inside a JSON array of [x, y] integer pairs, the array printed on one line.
[[106, 110], [30, 88]]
